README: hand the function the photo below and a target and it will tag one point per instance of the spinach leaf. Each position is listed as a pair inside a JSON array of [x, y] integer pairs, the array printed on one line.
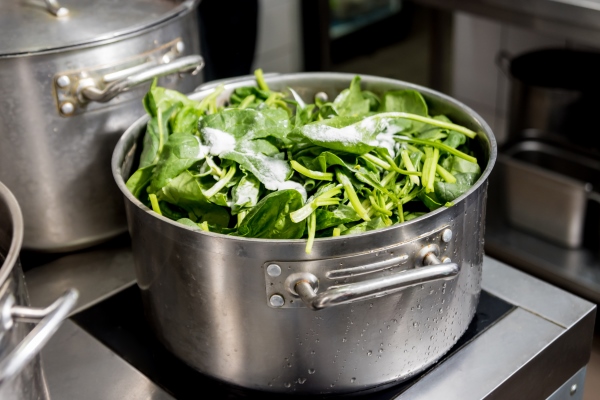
[[270, 218], [179, 153], [430, 200], [341, 215], [245, 194], [140, 180], [376, 223], [447, 192], [157, 134], [356, 138], [409, 101], [184, 191], [350, 102], [188, 222]]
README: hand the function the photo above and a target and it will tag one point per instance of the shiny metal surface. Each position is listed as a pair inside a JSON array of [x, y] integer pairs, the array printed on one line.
[[577, 20], [571, 389], [503, 357], [534, 350], [341, 280], [191, 64], [96, 273], [546, 190], [55, 8], [29, 28], [49, 319], [576, 270], [205, 292], [21, 375], [64, 184], [80, 367]]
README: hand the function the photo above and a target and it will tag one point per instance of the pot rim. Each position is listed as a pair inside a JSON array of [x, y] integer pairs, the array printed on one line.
[[120, 152], [12, 256]]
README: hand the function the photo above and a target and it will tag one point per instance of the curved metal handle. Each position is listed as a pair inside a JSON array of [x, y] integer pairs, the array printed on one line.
[[433, 271], [192, 64], [55, 9], [51, 318]]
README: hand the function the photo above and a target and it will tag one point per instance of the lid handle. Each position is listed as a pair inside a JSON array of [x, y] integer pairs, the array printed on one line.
[[56, 9]]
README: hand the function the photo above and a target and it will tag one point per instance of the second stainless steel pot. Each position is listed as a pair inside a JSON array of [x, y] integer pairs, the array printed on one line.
[[67, 93], [21, 374], [390, 302]]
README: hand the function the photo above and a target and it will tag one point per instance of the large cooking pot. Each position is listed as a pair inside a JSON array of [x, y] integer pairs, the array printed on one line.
[[242, 310], [68, 78], [21, 374]]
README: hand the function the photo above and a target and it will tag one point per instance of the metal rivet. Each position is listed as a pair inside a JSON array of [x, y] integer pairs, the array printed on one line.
[[67, 108], [573, 389], [274, 270], [446, 260], [276, 300], [63, 81], [447, 235], [179, 47]]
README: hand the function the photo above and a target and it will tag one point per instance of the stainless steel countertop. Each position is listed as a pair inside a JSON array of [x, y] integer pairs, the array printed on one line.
[[546, 339], [577, 20]]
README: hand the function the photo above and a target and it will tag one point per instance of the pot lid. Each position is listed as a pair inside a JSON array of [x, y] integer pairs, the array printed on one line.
[[33, 26]]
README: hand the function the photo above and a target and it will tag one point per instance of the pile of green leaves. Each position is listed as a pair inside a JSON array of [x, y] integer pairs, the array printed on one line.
[[269, 165]]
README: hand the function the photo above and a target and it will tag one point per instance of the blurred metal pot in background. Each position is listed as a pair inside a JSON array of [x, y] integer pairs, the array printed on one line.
[[71, 81]]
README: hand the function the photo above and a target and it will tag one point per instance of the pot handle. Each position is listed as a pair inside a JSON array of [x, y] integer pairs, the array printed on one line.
[[433, 270], [192, 64], [50, 318], [56, 9]]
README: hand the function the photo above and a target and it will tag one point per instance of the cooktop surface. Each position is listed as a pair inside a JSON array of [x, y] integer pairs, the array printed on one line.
[[119, 323]]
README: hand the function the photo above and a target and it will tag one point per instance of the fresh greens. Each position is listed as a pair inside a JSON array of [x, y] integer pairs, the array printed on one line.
[[268, 164]]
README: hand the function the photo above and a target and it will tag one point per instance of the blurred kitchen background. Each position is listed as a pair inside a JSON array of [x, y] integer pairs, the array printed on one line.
[[529, 68]]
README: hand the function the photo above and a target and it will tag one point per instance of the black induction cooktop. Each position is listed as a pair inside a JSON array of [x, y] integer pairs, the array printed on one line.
[[119, 323]]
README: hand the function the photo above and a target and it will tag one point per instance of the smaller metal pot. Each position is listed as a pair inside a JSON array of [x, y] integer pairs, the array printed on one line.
[[21, 375]]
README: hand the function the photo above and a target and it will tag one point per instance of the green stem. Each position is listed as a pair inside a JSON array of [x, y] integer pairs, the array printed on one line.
[[400, 213], [377, 161], [247, 101], [443, 172], [378, 208], [432, 168], [336, 232], [323, 176], [220, 183], [431, 121], [440, 146], [154, 203], [354, 201], [409, 166], [260, 79], [312, 228]]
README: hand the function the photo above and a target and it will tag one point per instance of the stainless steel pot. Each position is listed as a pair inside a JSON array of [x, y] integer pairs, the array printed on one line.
[[241, 310], [21, 374], [67, 93]]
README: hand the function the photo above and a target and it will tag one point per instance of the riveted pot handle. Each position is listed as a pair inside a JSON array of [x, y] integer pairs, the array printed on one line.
[[50, 318], [433, 270], [190, 64], [56, 9]]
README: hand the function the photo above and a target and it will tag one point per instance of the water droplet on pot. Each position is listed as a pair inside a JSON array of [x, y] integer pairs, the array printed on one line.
[[352, 380], [311, 371], [369, 352], [415, 324], [287, 384], [301, 380]]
